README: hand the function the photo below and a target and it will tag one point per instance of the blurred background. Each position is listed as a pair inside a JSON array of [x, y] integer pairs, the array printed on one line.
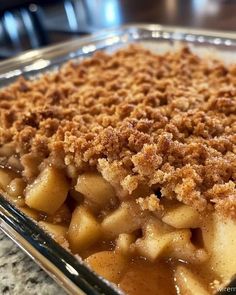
[[33, 24]]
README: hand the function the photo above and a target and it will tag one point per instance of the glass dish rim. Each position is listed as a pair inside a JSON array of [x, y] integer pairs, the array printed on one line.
[[178, 33], [18, 226]]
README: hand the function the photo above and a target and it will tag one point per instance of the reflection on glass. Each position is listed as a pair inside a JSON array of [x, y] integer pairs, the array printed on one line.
[[71, 15], [11, 27], [111, 14], [37, 65], [88, 48], [201, 7], [104, 13], [71, 269]]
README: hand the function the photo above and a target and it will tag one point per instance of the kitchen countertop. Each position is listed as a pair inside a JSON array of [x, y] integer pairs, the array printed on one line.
[[19, 274]]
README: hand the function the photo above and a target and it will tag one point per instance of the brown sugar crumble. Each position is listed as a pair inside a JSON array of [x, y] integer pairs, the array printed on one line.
[[164, 121]]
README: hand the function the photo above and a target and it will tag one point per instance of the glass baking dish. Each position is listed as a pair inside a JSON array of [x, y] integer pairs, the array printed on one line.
[[68, 270]]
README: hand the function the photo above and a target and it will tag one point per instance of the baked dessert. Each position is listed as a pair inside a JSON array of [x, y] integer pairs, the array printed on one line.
[[129, 160]]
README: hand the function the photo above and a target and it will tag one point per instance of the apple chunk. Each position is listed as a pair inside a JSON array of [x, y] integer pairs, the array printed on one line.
[[6, 176], [188, 282], [84, 230], [48, 192], [56, 231], [125, 219], [95, 189], [220, 241], [182, 216]]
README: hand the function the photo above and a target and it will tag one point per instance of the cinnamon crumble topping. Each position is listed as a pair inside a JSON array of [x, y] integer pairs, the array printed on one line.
[[150, 203], [167, 121]]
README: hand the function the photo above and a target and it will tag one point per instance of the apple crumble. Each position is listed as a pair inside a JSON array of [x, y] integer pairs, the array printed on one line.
[[129, 160]]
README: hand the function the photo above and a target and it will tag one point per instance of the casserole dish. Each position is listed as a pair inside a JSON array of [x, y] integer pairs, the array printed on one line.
[[69, 271]]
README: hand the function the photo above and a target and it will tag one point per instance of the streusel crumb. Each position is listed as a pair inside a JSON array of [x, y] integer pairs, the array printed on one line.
[[150, 203], [168, 121]]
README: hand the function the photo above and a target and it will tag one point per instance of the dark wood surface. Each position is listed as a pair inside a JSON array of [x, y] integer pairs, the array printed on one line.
[[211, 14]]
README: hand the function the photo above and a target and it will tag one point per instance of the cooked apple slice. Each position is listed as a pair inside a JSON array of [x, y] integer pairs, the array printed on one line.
[[84, 230], [182, 216], [188, 282], [157, 238], [48, 192], [125, 219], [161, 240], [16, 188], [96, 189], [6, 176], [220, 241], [56, 231], [124, 242]]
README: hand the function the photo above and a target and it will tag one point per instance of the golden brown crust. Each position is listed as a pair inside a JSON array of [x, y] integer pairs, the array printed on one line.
[[165, 120]]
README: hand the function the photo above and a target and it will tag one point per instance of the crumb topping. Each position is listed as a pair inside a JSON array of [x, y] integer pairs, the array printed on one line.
[[167, 121], [150, 203]]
